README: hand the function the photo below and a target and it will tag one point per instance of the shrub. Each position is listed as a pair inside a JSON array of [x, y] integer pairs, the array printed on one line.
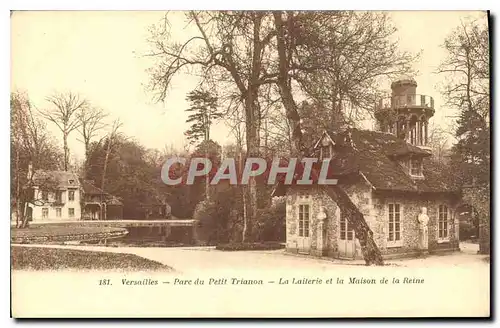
[[249, 246], [218, 218], [468, 230], [221, 219], [270, 223]]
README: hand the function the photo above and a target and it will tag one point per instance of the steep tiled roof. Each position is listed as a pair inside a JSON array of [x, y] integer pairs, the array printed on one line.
[[372, 153], [64, 179], [90, 189]]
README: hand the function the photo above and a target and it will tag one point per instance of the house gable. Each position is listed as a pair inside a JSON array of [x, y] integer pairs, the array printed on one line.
[[325, 140], [325, 146]]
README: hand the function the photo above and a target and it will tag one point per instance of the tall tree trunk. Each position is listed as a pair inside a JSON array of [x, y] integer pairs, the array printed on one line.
[[253, 144], [371, 253], [23, 205], [66, 151], [252, 120], [103, 181], [105, 166], [24, 217], [245, 216], [87, 149], [243, 191]]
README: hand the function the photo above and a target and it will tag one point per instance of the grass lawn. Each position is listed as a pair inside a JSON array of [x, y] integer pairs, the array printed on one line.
[[60, 233], [40, 258]]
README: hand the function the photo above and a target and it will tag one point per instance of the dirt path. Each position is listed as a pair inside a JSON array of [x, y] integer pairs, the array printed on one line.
[[200, 259]]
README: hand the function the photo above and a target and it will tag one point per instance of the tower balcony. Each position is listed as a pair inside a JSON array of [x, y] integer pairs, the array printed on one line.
[[406, 101]]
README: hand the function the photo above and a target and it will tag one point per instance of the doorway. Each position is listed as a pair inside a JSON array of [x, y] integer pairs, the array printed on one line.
[[304, 239], [346, 240]]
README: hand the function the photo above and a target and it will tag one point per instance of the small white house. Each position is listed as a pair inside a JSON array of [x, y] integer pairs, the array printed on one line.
[[61, 202]]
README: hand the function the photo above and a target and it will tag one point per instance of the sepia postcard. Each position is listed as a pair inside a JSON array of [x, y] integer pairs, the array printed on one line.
[[250, 164]]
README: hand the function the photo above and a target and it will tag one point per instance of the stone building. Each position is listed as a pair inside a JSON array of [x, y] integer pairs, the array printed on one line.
[[388, 174]]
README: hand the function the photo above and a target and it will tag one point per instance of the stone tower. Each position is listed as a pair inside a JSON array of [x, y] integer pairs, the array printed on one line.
[[405, 113]]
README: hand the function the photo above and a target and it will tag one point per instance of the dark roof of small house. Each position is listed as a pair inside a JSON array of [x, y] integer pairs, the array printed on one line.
[[90, 189], [64, 179], [387, 142], [372, 154]]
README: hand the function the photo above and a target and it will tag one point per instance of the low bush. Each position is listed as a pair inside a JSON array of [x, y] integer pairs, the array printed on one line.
[[219, 218], [250, 246]]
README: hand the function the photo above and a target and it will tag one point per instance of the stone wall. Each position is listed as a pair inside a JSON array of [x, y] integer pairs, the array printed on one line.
[[360, 194], [315, 198], [374, 207], [410, 208]]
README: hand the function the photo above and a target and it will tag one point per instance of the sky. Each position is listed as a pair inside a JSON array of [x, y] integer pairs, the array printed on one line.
[[100, 56]]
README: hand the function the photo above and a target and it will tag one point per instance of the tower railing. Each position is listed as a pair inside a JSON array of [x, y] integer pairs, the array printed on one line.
[[401, 101]]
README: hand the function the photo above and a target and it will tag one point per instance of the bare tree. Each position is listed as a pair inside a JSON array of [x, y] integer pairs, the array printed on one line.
[[358, 52], [236, 125], [439, 141], [228, 53], [111, 138], [237, 128], [91, 121], [467, 69], [64, 114], [278, 133], [243, 52], [467, 89]]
